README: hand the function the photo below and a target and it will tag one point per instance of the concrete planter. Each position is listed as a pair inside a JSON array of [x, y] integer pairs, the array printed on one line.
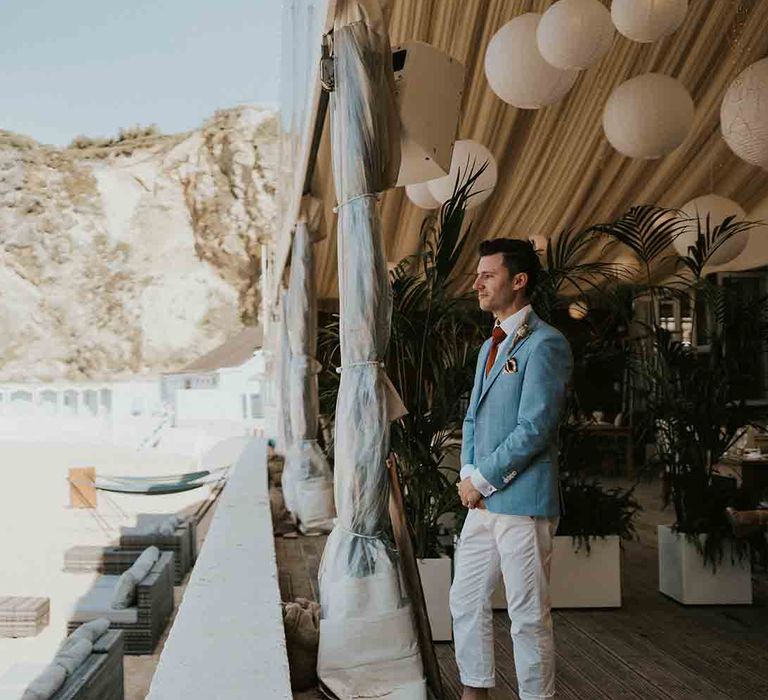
[[684, 577], [581, 579], [436, 581]]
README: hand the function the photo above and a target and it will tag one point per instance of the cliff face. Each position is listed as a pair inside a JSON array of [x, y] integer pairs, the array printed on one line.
[[133, 255]]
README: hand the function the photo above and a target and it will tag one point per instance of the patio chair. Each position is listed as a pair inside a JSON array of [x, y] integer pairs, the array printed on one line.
[[144, 622], [98, 677], [183, 541], [101, 676]]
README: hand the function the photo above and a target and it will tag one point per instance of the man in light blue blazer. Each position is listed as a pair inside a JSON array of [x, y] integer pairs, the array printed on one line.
[[509, 477]]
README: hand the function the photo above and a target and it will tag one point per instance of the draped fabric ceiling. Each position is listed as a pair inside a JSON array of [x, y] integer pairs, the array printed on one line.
[[556, 168]]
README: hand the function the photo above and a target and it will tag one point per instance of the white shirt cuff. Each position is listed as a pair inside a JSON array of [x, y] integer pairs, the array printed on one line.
[[482, 484], [466, 471]]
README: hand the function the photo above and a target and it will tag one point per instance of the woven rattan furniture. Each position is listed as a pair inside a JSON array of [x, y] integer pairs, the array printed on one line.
[[144, 622], [183, 543], [101, 676], [22, 616]]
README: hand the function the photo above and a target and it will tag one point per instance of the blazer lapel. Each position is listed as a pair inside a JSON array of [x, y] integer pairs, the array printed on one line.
[[510, 352]]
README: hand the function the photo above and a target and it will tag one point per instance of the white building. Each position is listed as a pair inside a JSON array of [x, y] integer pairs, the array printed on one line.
[[225, 385]]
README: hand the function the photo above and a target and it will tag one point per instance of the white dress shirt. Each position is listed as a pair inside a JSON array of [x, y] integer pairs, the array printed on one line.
[[509, 325]]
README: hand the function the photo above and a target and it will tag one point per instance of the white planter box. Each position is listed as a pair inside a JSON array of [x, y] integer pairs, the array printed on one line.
[[581, 579], [436, 581], [683, 576]]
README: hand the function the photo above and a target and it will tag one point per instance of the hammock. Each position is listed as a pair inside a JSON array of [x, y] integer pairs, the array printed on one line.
[[157, 485]]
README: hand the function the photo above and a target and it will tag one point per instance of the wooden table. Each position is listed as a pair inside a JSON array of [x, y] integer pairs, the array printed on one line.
[[752, 472]]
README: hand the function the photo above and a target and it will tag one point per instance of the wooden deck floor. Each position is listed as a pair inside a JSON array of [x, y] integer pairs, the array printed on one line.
[[651, 648]]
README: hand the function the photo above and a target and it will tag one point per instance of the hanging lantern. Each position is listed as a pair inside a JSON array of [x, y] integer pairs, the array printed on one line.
[[648, 116], [718, 208], [574, 34], [420, 195], [648, 20], [467, 155], [578, 310], [744, 115], [516, 70]]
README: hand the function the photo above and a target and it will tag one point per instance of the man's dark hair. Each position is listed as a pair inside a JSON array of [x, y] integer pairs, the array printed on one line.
[[519, 256]]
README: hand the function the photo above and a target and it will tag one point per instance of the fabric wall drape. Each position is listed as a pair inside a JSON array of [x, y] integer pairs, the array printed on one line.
[[556, 169], [285, 439], [368, 645]]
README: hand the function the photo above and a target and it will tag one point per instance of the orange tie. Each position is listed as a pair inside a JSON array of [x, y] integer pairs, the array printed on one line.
[[497, 337]]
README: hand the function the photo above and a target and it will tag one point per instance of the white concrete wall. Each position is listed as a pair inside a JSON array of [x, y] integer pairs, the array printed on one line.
[[227, 640]]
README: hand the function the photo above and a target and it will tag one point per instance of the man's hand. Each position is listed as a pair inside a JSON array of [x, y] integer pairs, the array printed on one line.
[[469, 495]]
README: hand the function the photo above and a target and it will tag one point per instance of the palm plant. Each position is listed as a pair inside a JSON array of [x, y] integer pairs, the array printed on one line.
[[693, 403]]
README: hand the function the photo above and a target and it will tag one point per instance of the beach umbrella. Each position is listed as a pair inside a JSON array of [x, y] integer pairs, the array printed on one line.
[[307, 466], [368, 645]]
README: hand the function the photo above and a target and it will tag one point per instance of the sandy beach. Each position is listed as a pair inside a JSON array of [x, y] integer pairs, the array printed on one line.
[[37, 526]]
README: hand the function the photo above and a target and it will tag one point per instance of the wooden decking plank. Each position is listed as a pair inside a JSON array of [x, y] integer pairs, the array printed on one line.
[[614, 676], [619, 635]]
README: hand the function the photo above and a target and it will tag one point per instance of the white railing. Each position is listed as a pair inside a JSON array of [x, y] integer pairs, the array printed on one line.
[[227, 640]]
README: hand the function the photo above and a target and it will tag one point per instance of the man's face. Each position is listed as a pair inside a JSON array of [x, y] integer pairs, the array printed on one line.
[[496, 290]]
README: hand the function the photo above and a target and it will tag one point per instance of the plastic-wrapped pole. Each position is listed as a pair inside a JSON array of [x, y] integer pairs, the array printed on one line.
[[306, 464], [368, 645], [284, 429]]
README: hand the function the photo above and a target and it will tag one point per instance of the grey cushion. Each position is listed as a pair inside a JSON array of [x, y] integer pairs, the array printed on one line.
[[72, 654], [46, 684], [97, 602], [144, 563], [124, 592], [91, 630]]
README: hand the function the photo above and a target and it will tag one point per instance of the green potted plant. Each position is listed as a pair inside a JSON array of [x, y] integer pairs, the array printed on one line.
[[694, 404]]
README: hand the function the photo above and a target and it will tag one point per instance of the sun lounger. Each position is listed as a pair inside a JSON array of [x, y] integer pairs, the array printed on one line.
[[145, 621], [23, 616]]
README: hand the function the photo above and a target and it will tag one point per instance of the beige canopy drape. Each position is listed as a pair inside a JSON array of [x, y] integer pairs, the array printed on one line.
[[556, 169]]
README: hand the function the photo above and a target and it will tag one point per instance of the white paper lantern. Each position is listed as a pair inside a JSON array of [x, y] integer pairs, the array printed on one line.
[[420, 195], [574, 34], [718, 209], [516, 70], [467, 154], [578, 310], [648, 116], [744, 115], [648, 20]]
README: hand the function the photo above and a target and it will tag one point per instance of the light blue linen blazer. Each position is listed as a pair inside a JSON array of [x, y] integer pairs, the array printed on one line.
[[510, 431]]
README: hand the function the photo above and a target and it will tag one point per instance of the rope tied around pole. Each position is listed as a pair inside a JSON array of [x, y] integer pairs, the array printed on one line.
[[373, 195]]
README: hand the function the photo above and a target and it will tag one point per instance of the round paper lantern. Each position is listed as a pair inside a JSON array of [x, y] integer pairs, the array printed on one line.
[[648, 116], [648, 20], [420, 195], [578, 310], [718, 209], [744, 115], [467, 154], [574, 34], [516, 70]]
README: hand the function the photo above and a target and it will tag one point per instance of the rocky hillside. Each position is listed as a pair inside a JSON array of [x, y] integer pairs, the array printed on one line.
[[135, 254]]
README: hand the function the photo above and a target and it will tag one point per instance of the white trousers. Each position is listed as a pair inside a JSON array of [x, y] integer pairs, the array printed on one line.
[[520, 548]]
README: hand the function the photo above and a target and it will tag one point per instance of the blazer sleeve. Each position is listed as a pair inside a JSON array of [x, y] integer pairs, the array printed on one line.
[[546, 377], [468, 428]]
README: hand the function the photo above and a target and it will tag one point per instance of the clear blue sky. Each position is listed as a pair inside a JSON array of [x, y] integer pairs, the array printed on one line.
[[70, 67]]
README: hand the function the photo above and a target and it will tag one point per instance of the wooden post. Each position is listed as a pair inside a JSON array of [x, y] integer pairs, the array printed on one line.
[[82, 488]]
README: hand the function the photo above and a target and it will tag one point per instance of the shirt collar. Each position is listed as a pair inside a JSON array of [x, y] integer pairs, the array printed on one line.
[[511, 323]]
